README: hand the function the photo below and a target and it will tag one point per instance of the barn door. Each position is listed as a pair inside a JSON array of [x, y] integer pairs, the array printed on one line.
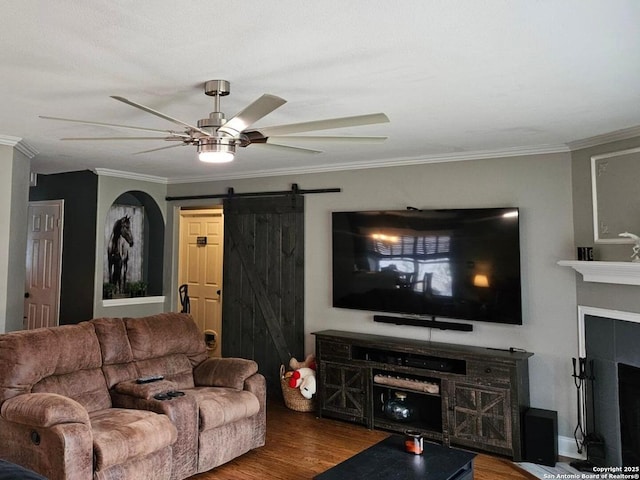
[[263, 278]]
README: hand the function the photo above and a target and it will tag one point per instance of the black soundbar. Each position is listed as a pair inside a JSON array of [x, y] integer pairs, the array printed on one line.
[[419, 322]]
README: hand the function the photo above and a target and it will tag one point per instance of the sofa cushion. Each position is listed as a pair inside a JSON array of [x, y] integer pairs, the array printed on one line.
[[165, 334], [114, 343], [122, 434], [173, 367], [87, 387], [117, 357], [168, 344], [219, 406], [69, 352]]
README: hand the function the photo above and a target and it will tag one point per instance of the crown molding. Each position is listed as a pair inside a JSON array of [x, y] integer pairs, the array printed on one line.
[[9, 140], [107, 172], [596, 140], [617, 135], [19, 144], [26, 149], [397, 162]]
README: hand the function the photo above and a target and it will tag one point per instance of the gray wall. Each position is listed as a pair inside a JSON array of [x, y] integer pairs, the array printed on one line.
[[14, 195], [110, 188], [539, 185], [616, 297]]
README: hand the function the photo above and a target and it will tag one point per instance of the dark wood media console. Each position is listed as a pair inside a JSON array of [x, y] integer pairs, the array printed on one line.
[[472, 397]]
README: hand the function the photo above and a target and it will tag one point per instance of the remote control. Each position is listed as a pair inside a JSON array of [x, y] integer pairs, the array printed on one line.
[[149, 379]]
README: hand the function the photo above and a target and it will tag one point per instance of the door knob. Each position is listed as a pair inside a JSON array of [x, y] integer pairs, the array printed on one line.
[[26, 295]]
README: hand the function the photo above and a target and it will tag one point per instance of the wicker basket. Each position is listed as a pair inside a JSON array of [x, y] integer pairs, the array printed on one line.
[[293, 399]]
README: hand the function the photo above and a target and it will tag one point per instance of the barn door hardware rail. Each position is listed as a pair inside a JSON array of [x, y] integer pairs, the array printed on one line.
[[295, 190]]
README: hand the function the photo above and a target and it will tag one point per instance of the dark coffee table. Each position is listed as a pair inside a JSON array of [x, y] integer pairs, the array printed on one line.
[[388, 460]]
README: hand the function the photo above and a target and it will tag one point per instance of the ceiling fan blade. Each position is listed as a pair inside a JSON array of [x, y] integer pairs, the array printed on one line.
[[121, 138], [325, 138], [288, 148], [251, 114], [161, 148], [330, 123], [160, 114], [103, 124]]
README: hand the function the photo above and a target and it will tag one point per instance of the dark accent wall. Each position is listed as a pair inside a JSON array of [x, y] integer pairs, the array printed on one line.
[[79, 190]]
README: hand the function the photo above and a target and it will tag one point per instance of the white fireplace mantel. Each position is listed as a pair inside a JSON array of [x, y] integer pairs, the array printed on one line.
[[623, 273]]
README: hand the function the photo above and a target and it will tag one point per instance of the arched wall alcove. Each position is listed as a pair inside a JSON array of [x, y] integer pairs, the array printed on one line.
[[134, 229]]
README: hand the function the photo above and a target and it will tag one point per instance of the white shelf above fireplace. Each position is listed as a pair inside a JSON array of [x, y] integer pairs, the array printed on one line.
[[623, 273]]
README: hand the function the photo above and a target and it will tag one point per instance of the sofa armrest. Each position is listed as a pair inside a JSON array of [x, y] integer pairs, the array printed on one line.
[[44, 410], [49, 434], [144, 390], [257, 385], [224, 372]]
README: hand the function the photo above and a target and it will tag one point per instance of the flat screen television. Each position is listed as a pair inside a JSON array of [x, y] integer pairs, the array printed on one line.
[[453, 263]]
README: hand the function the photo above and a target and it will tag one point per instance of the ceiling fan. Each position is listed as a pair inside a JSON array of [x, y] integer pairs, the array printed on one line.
[[217, 138]]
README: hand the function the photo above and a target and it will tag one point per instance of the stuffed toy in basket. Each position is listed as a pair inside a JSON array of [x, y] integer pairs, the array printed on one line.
[[299, 385]]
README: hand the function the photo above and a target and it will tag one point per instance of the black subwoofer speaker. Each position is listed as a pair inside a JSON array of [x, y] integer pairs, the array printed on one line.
[[541, 436]]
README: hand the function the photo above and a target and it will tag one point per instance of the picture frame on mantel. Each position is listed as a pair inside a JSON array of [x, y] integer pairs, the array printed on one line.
[[615, 189]]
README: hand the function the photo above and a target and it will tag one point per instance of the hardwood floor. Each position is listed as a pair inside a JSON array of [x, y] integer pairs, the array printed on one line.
[[300, 446]]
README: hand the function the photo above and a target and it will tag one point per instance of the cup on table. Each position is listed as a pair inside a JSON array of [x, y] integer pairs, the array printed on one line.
[[413, 442]]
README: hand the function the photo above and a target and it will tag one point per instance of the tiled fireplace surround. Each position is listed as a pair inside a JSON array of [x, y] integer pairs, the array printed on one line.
[[608, 337]]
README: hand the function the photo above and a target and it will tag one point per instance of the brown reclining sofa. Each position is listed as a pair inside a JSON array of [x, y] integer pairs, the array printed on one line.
[[71, 406]]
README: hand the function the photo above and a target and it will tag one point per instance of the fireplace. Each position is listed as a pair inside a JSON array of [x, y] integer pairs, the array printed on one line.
[[613, 404], [629, 404]]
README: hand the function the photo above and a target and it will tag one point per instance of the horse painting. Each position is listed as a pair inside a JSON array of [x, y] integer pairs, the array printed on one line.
[[118, 252]]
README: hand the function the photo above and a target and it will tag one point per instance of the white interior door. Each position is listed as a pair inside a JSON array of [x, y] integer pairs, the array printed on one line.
[[200, 267], [43, 263]]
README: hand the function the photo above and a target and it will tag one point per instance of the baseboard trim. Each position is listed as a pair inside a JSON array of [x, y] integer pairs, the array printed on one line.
[[567, 448]]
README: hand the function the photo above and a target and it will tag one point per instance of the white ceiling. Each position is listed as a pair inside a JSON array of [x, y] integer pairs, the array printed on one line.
[[457, 78]]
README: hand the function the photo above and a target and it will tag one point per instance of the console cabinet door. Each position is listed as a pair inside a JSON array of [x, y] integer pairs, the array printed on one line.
[[480, 415], [343, 392]]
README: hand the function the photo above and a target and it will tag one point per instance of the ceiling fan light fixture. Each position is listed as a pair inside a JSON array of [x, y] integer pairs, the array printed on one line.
[[217, 138], [212, 152]]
